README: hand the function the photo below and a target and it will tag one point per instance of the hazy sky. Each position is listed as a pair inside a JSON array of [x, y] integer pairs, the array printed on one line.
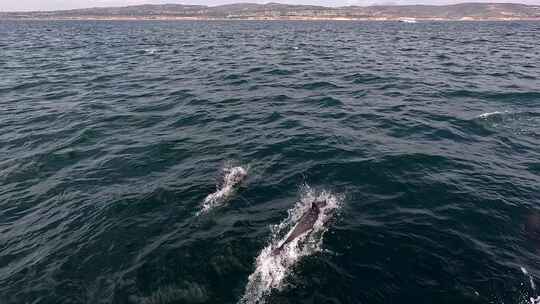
[[25, 5]]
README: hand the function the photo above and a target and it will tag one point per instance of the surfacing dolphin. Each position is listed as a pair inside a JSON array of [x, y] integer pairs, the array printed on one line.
[[305, 224], [231, 179]]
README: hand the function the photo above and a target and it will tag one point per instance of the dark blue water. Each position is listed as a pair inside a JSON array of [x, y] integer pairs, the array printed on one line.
[[112, 134]]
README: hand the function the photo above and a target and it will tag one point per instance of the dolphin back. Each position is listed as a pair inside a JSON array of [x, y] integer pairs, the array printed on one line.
[[306, 223], [319, 204]]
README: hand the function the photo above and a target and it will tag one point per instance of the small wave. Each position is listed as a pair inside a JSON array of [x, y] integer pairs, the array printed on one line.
[[232, 177], [488, 114], [191, 293], [316, 85], [359, 78], [281, 72], [523, 97], [271, 269], [515, 122], [151, 51], [329, 102]]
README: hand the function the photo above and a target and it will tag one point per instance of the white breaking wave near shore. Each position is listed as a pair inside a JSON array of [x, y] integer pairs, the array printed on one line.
[[232, 178], [271, 269]]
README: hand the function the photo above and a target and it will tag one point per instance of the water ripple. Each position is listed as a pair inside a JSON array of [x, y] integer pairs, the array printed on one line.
[[111, 134]]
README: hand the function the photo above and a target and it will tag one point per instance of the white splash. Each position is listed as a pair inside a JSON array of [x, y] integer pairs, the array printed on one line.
[[488, 114], [517, 123], [232, 177], [533, 286], [271, 268], [151, 51]]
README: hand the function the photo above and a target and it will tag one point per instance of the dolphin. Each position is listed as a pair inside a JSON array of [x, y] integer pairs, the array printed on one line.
[[231, 179], [233, 176], [305, 224]]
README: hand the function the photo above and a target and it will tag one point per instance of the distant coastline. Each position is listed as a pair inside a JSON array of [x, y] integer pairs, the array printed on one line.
[[258, 19], [277, 11]]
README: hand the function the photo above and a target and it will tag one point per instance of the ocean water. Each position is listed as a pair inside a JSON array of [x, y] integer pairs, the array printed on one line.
[[423, 140]]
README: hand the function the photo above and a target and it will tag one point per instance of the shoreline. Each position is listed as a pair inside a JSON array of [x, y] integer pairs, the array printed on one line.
[[467, 11], [267, 19]]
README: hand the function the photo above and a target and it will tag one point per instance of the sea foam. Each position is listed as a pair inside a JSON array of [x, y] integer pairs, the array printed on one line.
[[272, 269], [232, 177]]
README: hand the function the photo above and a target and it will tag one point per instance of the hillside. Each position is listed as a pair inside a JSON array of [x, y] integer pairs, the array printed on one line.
[[464, 11]]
